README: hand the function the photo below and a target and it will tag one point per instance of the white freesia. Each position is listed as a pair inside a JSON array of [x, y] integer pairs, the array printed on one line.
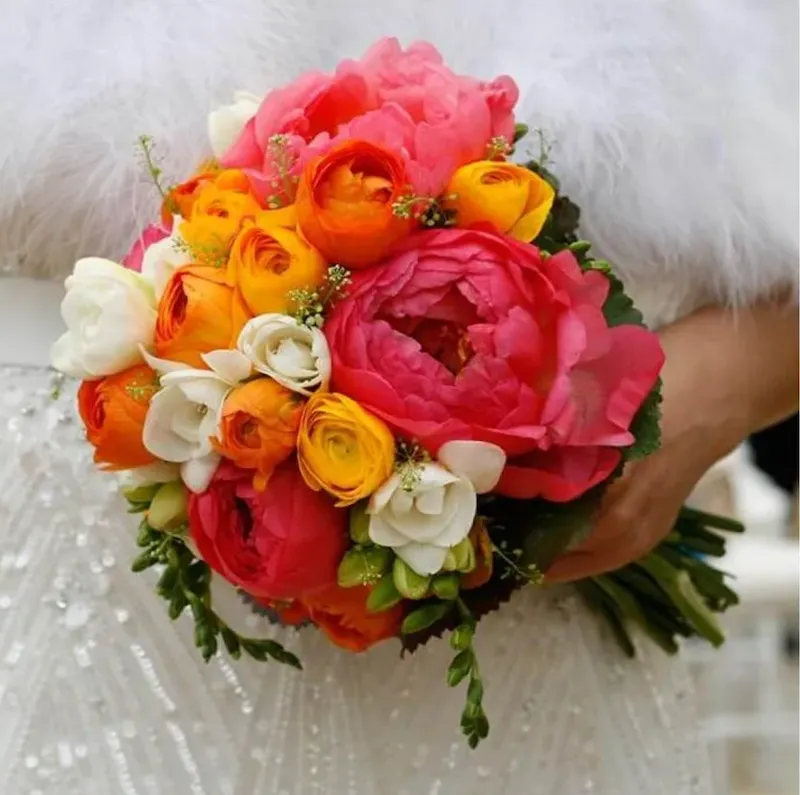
[[226, 123], [163, 258], [109, 312], [295, 355], [437, 512], [185, 413]]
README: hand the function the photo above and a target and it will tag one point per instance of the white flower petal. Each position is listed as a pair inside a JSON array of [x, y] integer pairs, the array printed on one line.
[[162, 366], [463, 499], [481, 463], [402, 502], [198, 472], [230, 365], [383, 534], [423, 558], [62, 357], [381, 496], [430, 501], [433, 475], [158, 436]]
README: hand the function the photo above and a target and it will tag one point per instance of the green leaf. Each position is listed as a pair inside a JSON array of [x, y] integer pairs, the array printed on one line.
[[646, 427], [461, 637], [144, 561], [618, 308], [704, 519], [425, 616], [177, 604], [520, 131], [231, 641]]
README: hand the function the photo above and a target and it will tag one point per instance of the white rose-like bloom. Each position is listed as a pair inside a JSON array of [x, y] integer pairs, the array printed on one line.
[[184, 414], [109, 312], [294, 355], [421, 524], [226, 123], [163, 258]]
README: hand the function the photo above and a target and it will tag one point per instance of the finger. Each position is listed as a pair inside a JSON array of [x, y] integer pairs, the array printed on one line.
[[570, 567]]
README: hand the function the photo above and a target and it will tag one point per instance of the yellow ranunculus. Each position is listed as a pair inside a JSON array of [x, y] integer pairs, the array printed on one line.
[[511, 198], [342, 448], [268, 261], [218, 212]]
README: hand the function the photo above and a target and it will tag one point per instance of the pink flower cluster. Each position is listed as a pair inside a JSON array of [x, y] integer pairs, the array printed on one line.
[[406, 100]]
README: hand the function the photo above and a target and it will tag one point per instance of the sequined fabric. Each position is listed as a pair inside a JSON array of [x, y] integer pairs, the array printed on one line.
[[100, 693]]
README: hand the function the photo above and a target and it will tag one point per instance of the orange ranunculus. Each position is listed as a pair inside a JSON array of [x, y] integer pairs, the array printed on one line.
[[113, 410], [341, 613], [258, 427], [267, 261], [344, 203], [217, 214], [181, 198], [510, 197], [291, 614], [484, 557], [197, 313]]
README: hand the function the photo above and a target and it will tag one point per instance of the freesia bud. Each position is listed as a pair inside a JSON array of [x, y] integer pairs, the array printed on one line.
[[461, 557], [445, 586], [140, 493], [168, 508], [410, 584], [359, 523]]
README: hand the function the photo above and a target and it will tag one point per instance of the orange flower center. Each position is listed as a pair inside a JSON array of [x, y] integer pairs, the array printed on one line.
[[352, 183]]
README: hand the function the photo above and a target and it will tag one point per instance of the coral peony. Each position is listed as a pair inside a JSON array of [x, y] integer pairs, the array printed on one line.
[[281, 543], [406, 100], [113, 410], [465, 334]]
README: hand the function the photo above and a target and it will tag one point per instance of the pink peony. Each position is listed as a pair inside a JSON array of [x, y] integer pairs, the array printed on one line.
[[280, 543], [406, 99], [464, 334], [151, 234]]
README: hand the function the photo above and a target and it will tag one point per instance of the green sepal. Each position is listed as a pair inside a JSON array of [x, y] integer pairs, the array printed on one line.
[[384, 595]]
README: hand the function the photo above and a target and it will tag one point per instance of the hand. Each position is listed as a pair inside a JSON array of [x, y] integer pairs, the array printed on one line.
[[724, 378]]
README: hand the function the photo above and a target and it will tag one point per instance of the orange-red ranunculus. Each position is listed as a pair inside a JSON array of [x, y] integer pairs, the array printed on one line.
[[268, 261], [113, 410], [218, 211], [258, 427], [197, 313], [341, 613], [181, 198], [345, 203]]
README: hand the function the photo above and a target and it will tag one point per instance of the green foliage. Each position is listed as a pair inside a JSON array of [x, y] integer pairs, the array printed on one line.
[[185, 582]]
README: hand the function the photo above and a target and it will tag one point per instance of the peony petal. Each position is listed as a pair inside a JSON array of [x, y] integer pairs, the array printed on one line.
[[197, 472], [481, 463], [423, 558], [230, 365]]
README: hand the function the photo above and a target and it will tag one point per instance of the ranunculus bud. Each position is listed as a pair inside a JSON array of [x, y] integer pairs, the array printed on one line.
[[408, 582], [167, 510], [140, 492]]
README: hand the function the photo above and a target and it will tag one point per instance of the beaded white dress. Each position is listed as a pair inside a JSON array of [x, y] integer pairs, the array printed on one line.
[[674, 137]]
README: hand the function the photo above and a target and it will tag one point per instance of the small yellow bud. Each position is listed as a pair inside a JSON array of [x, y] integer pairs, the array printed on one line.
[[410, 584], [167, 511]]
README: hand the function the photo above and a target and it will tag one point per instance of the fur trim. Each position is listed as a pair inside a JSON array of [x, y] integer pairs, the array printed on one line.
[[676, 124]]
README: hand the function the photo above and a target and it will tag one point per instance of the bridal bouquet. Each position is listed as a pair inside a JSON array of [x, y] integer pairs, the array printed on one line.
[[364, 370]]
